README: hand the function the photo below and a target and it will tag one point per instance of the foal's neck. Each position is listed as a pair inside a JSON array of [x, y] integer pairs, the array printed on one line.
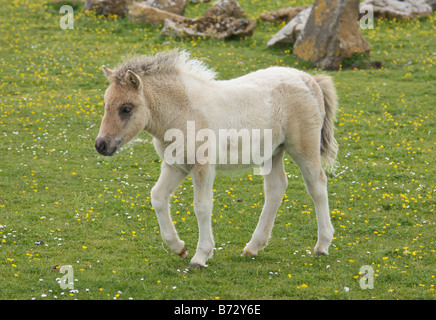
[[169, 105]]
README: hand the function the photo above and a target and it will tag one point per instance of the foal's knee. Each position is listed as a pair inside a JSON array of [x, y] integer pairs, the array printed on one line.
[[159, 200], [277, 187], [282, 183], [316, 183], [202, 206]]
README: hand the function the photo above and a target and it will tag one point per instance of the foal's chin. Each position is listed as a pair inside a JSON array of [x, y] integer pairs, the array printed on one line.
[[112, 153]]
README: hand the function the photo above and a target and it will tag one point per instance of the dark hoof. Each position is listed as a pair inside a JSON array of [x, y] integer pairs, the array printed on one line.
[[194, 265], [248, 253], [184, 253]]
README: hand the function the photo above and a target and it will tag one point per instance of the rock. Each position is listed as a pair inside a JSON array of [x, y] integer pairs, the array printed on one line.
[[290, 32], [221, 21], [108, 7], [407, 9], [142, 13], [182, 30], [285, 14], [73, 1], [226, 8], [382, 9], [210, 27], [173, 6], [331, 34]]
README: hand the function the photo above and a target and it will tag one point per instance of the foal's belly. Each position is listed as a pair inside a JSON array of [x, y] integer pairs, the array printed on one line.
[[234, 167]]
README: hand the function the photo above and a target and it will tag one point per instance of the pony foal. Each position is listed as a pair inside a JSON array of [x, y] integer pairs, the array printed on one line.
[[170, 90]]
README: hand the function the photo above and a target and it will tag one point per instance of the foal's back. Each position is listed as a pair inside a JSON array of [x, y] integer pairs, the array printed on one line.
[[250, 101]]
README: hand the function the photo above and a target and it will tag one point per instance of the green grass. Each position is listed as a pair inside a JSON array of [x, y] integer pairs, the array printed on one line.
[[94, 213]]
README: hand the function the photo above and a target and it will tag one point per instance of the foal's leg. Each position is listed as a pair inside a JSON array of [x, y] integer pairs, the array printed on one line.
[[316, 184], [169, 179], [203, 177], [275, 184]]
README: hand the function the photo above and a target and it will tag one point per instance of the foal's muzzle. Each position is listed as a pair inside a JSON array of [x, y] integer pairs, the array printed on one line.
[[106, 146]]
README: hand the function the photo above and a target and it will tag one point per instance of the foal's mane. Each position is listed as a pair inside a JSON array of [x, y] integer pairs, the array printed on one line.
[[167, 63]]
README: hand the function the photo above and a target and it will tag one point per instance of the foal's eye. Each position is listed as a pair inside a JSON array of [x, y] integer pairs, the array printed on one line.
[[126, 109]]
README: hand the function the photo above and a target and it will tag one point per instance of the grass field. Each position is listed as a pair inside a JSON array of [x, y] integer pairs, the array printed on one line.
[[63, 204]]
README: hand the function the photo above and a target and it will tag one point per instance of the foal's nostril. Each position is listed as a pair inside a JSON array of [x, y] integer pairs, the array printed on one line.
[[101, 146]]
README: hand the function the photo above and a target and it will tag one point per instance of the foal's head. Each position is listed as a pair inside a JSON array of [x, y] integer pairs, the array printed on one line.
[[125, 111]]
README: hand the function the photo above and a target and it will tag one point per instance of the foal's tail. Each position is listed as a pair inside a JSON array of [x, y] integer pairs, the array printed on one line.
[[329, 145]]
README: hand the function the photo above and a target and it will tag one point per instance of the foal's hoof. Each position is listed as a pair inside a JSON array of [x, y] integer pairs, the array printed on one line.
[[248, 253], [321, 253], [194, 265], [184, 253]]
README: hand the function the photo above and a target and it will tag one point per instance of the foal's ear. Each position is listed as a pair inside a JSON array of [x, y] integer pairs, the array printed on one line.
[[133, 79], [108, 72]]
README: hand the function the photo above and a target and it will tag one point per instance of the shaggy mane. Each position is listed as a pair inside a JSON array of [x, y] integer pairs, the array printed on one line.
[[169, 63]]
